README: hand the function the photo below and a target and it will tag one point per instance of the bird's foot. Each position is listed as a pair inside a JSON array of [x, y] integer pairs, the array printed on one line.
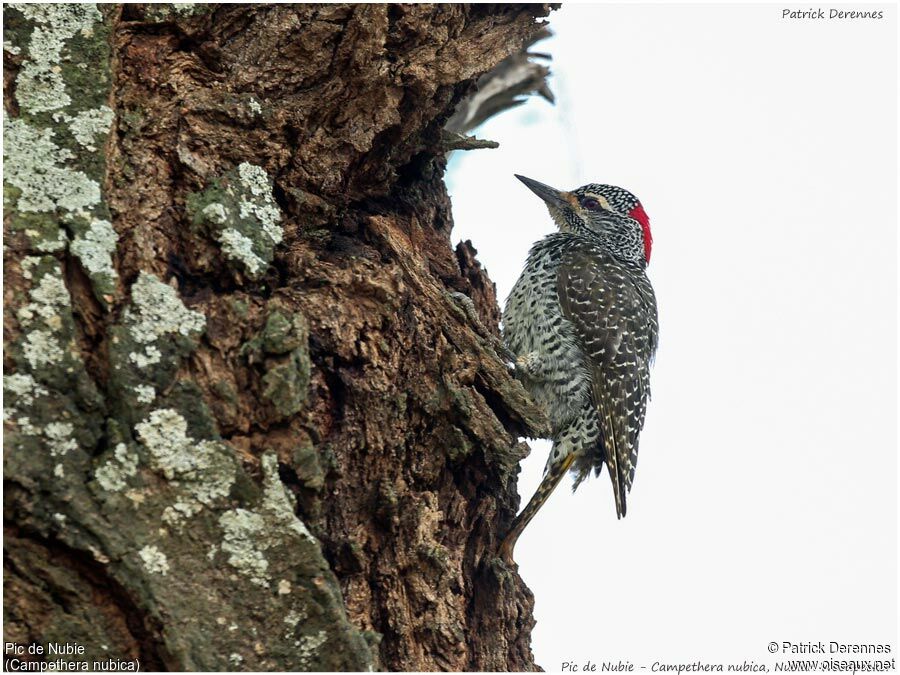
[[464, 302], [504, 353], [530, 365]]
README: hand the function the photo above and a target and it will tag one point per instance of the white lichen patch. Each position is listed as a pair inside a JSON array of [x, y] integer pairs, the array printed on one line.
[[34, 165], [255, 107], [186, 8], [164, 433], [39, 85], [58, 436], [42, 319], [238, 247], [155, 561], [235, 659], [11, 48], [204, 469], [268, 217], [95, 249], [39, 150], [156, 311], [263, 207], [307, 647], [148, 357], [216, 213], [244, 541], [145, 393], [41, 348], [114, 474], [88, 125], [248, 534], [48, 296], [181, 510], [29, 262], [293, 617], [276, 501], [25, 388], [26, 427], [48, 245], [244, 216], [254, 179]]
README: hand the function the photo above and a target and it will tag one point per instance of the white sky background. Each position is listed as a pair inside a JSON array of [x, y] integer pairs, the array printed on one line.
[[765, 500]]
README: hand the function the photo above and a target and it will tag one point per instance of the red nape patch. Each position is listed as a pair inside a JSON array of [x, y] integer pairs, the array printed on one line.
[[641, 216]]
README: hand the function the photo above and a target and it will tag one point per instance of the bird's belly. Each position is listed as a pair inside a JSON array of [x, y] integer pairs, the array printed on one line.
[[534, 324], [565, 396]]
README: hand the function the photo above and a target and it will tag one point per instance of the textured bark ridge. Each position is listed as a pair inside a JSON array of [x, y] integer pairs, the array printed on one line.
[[248, 425]]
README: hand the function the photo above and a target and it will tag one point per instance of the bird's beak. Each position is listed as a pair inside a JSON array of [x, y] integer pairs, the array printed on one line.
[[552, 196]]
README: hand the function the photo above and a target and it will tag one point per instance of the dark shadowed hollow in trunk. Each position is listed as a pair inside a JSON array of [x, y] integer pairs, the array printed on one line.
[[248, 423]]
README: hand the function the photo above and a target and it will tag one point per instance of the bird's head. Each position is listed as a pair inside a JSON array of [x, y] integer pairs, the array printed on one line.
[[609, 213]]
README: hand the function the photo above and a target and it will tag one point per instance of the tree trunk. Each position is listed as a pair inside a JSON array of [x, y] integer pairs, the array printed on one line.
[[247, 423]]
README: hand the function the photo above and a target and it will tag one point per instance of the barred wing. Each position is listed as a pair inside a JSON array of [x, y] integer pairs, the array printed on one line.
[[612, 308]]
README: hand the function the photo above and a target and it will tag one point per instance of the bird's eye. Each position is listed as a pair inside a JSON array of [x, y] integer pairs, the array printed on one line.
[[590, 204]]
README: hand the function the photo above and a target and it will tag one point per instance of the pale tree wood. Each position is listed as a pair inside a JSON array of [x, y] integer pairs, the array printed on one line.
[[248, 424]]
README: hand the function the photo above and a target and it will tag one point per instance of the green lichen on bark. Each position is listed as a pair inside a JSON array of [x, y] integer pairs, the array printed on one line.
[[285, 384], [53, 150], [282, 346], [307, 465], [283, 333], [239, 212]]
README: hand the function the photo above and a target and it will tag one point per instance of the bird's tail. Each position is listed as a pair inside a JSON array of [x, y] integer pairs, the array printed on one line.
[[616, 450], [554, 474]]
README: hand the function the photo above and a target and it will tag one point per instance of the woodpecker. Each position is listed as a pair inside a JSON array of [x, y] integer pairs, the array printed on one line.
[[581, 322]]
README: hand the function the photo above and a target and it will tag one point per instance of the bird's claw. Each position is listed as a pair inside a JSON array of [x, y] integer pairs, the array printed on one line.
[[464, 302], [504, 353], [529, 365]]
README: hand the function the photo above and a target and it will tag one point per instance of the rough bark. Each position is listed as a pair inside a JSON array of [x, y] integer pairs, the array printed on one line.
[[248, 426]]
